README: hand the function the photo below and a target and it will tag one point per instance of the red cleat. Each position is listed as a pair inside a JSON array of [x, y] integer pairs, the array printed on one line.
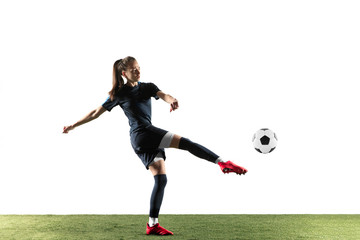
[[157, 230], [228, 167]]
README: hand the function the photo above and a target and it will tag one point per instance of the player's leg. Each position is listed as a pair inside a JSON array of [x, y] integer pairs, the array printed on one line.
[[194, 148], [158, 170], [157, 167], [204, 153]]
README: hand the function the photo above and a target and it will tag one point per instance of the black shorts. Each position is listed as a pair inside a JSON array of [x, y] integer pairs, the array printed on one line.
[[145, 143]]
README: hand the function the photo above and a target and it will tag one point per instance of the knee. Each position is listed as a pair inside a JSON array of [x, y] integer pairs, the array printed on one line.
[[160, 180], [175, 141], [184, 143], [158, 167]]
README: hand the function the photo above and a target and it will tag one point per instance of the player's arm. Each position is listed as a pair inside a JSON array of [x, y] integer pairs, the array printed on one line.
[[87, 118], [174, 104]]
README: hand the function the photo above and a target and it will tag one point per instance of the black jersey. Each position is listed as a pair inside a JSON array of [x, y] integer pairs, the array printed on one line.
[[136, 103]]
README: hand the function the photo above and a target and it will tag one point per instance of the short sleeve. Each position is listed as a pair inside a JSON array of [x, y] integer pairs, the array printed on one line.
[[110, 104], [153, 89]]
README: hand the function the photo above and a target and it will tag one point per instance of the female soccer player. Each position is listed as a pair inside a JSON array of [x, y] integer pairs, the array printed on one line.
[[148, 141]]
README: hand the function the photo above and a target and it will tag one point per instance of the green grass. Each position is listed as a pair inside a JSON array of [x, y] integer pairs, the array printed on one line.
[[262, 227]]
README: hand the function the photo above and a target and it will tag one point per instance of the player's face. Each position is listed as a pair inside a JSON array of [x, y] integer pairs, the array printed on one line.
[[132, 72]]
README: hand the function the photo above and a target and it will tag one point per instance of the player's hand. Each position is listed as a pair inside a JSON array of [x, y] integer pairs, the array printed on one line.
[[68, 128], [174, 105]]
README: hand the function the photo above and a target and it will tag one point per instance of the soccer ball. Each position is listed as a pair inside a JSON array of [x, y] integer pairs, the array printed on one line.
[[264, 140]]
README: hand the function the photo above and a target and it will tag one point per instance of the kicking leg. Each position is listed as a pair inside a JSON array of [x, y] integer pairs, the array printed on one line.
[[194, 148], [204, 153]]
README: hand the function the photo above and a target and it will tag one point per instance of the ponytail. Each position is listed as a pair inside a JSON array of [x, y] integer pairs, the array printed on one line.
[[117, 79]]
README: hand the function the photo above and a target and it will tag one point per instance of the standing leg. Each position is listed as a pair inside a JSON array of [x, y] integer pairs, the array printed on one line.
[[159, 173]]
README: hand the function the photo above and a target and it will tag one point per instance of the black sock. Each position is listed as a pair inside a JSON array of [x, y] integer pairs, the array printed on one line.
[[197, 150], [157, 195]]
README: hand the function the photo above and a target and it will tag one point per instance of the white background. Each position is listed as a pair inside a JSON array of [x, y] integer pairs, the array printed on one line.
[[234, 66]]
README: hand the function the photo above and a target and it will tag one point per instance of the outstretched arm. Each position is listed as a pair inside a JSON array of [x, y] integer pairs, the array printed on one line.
[[89, 117], [174, 104]]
